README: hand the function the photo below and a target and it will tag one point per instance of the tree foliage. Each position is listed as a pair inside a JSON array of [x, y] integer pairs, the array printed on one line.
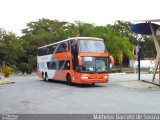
[[10, 48]]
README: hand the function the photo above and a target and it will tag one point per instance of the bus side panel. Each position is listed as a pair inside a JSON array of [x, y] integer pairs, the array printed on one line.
[[61, 75], [63, 60], [57, 76], [42, 65]]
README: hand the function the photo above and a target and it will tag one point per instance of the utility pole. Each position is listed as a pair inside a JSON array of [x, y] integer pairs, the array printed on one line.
[[138, 52], [159, 72]]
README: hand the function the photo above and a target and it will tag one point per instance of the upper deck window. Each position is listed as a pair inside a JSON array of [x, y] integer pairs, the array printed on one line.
[[93, 46]]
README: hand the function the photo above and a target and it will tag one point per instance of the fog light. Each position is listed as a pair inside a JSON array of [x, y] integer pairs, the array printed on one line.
[[84, 77]]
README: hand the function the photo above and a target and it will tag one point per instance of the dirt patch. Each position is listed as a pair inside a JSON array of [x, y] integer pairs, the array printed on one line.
[[138, 85]]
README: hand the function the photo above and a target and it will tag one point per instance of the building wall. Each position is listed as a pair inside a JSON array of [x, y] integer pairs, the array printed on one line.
[[144, 63]]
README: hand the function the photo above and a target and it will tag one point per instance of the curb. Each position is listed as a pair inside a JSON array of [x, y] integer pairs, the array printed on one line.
[[150, 82], [117, 74], [6, 82]]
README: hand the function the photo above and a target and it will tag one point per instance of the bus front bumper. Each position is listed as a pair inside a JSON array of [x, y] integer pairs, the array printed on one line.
[[91, 81]]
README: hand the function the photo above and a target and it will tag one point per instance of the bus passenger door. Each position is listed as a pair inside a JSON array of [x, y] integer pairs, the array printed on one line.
[[74, 52]]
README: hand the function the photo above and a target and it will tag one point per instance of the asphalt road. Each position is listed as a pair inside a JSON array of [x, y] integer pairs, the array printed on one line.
[[123, 94]]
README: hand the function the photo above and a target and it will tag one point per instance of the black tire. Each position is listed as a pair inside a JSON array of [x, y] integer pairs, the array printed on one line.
[[43, 77], [46, 77], [69, 81], [93, 84]]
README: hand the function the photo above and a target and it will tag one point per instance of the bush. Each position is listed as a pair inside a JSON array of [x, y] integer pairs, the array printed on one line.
[[25, 67], [7, 71], [29, 69], [114, 71]]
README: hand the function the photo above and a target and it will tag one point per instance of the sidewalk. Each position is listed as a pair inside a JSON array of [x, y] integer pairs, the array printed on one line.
[[117, 73], [138, 85], [156, 81], [4, 81]]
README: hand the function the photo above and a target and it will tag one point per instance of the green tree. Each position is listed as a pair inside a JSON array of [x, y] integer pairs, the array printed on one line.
[[84, 29], [11, 48]]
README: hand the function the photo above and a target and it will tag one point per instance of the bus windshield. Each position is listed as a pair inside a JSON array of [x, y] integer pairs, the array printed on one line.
[[94, 65], [93, 46]]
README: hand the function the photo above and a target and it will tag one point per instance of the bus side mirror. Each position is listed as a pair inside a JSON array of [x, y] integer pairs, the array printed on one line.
[[112, 62]]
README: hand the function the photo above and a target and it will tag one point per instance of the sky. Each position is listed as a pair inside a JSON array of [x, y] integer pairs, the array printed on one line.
[[15, 14]]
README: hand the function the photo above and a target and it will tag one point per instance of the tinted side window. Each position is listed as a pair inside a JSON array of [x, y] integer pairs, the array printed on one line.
[[52, 66], [50, 49], [42, 51], [66, 66], [39, 52], [47, 51], [62, 48], [74, 54], [73, 45]]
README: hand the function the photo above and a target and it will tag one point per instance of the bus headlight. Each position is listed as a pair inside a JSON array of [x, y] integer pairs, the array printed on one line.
[[106, 76], [84, 77]]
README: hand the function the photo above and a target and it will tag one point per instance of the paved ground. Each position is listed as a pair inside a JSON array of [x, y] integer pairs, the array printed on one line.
[[123, 94]]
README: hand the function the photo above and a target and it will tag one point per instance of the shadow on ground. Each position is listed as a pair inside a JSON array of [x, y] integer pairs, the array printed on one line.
[[75, 85]]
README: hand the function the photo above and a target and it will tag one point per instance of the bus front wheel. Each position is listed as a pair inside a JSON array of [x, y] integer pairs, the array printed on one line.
[[68, 78]]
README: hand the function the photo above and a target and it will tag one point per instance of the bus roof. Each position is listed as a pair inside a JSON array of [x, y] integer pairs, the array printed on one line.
[[76, 38]]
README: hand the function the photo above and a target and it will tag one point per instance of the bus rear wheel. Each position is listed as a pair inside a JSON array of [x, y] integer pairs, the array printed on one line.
[[43, 76], [68, 78], [46, 77]]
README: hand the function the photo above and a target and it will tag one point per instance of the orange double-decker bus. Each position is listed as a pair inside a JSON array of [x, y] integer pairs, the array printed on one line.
[[82, 60]]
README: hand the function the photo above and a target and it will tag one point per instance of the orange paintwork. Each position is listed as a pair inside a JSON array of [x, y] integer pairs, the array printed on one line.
[[61, 76], [61, 56], [92, 78]]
